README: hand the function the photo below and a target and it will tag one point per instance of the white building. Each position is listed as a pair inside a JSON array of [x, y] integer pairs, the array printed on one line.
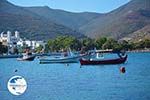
[[32, 44], [14, 40], [8, 39]]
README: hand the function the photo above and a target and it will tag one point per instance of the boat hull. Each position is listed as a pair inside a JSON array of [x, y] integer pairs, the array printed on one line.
[[102, 62], [62, 60], [44, 61], [26, 59]]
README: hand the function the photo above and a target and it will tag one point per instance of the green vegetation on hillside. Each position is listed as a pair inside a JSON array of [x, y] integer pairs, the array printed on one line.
[[64, 42]]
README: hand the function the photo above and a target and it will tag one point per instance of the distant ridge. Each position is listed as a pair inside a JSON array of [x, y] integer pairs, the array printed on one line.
[[42, 23], [69, 19]]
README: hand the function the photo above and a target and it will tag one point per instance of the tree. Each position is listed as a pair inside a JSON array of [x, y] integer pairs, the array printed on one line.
[[39, 49], [16, 51], [3, 48], [63, 43], [88, 43], [110, 44], [125, 45], [71, 42], [99, 42], [50, 45], [147, 43]]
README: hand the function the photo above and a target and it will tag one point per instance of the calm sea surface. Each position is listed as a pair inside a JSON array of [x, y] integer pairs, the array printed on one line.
[[61, 82]]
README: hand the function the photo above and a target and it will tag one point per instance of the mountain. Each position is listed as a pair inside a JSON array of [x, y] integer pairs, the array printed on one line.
[[69, 19], [140, 34], [122, 22], [30, 25], [41, 23]]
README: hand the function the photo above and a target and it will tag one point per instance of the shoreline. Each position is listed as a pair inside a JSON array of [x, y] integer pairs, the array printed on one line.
[[47, 54], [140, 51]]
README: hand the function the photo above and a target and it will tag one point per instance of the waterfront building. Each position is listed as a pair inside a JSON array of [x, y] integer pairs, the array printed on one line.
[[8, 39], [14, 41], [32, 44]]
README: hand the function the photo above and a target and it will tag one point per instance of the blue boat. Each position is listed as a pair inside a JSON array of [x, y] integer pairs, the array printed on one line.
[[69, 58]]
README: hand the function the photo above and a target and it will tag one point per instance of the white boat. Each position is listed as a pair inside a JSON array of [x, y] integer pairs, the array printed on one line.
[[62, 59], [27, 57]]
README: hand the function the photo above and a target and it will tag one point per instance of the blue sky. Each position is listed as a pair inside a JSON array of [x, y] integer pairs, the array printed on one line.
[[100, 6]]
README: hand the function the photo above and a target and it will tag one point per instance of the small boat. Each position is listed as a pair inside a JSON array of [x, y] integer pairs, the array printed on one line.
[[106, 61], [27, 57], [98, 60], [62, 59], [59, 60]]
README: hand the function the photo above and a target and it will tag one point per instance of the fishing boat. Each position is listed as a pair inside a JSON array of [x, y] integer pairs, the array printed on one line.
[[27, 57], [71, 58], [119, 60]]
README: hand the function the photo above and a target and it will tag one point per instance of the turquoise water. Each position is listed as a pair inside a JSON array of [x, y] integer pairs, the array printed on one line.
[[61, 82]]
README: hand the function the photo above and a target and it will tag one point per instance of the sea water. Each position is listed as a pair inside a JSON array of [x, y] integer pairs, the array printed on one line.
[[75, 82]]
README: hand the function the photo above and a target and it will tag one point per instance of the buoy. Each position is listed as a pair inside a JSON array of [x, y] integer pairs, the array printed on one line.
[[122, 69], [67, 64], [16, 70], [80, 66]]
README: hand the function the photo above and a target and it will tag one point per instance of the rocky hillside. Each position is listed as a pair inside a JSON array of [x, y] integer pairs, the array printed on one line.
[[69, 19], [121, 22], [30, 25], [128, 21]]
